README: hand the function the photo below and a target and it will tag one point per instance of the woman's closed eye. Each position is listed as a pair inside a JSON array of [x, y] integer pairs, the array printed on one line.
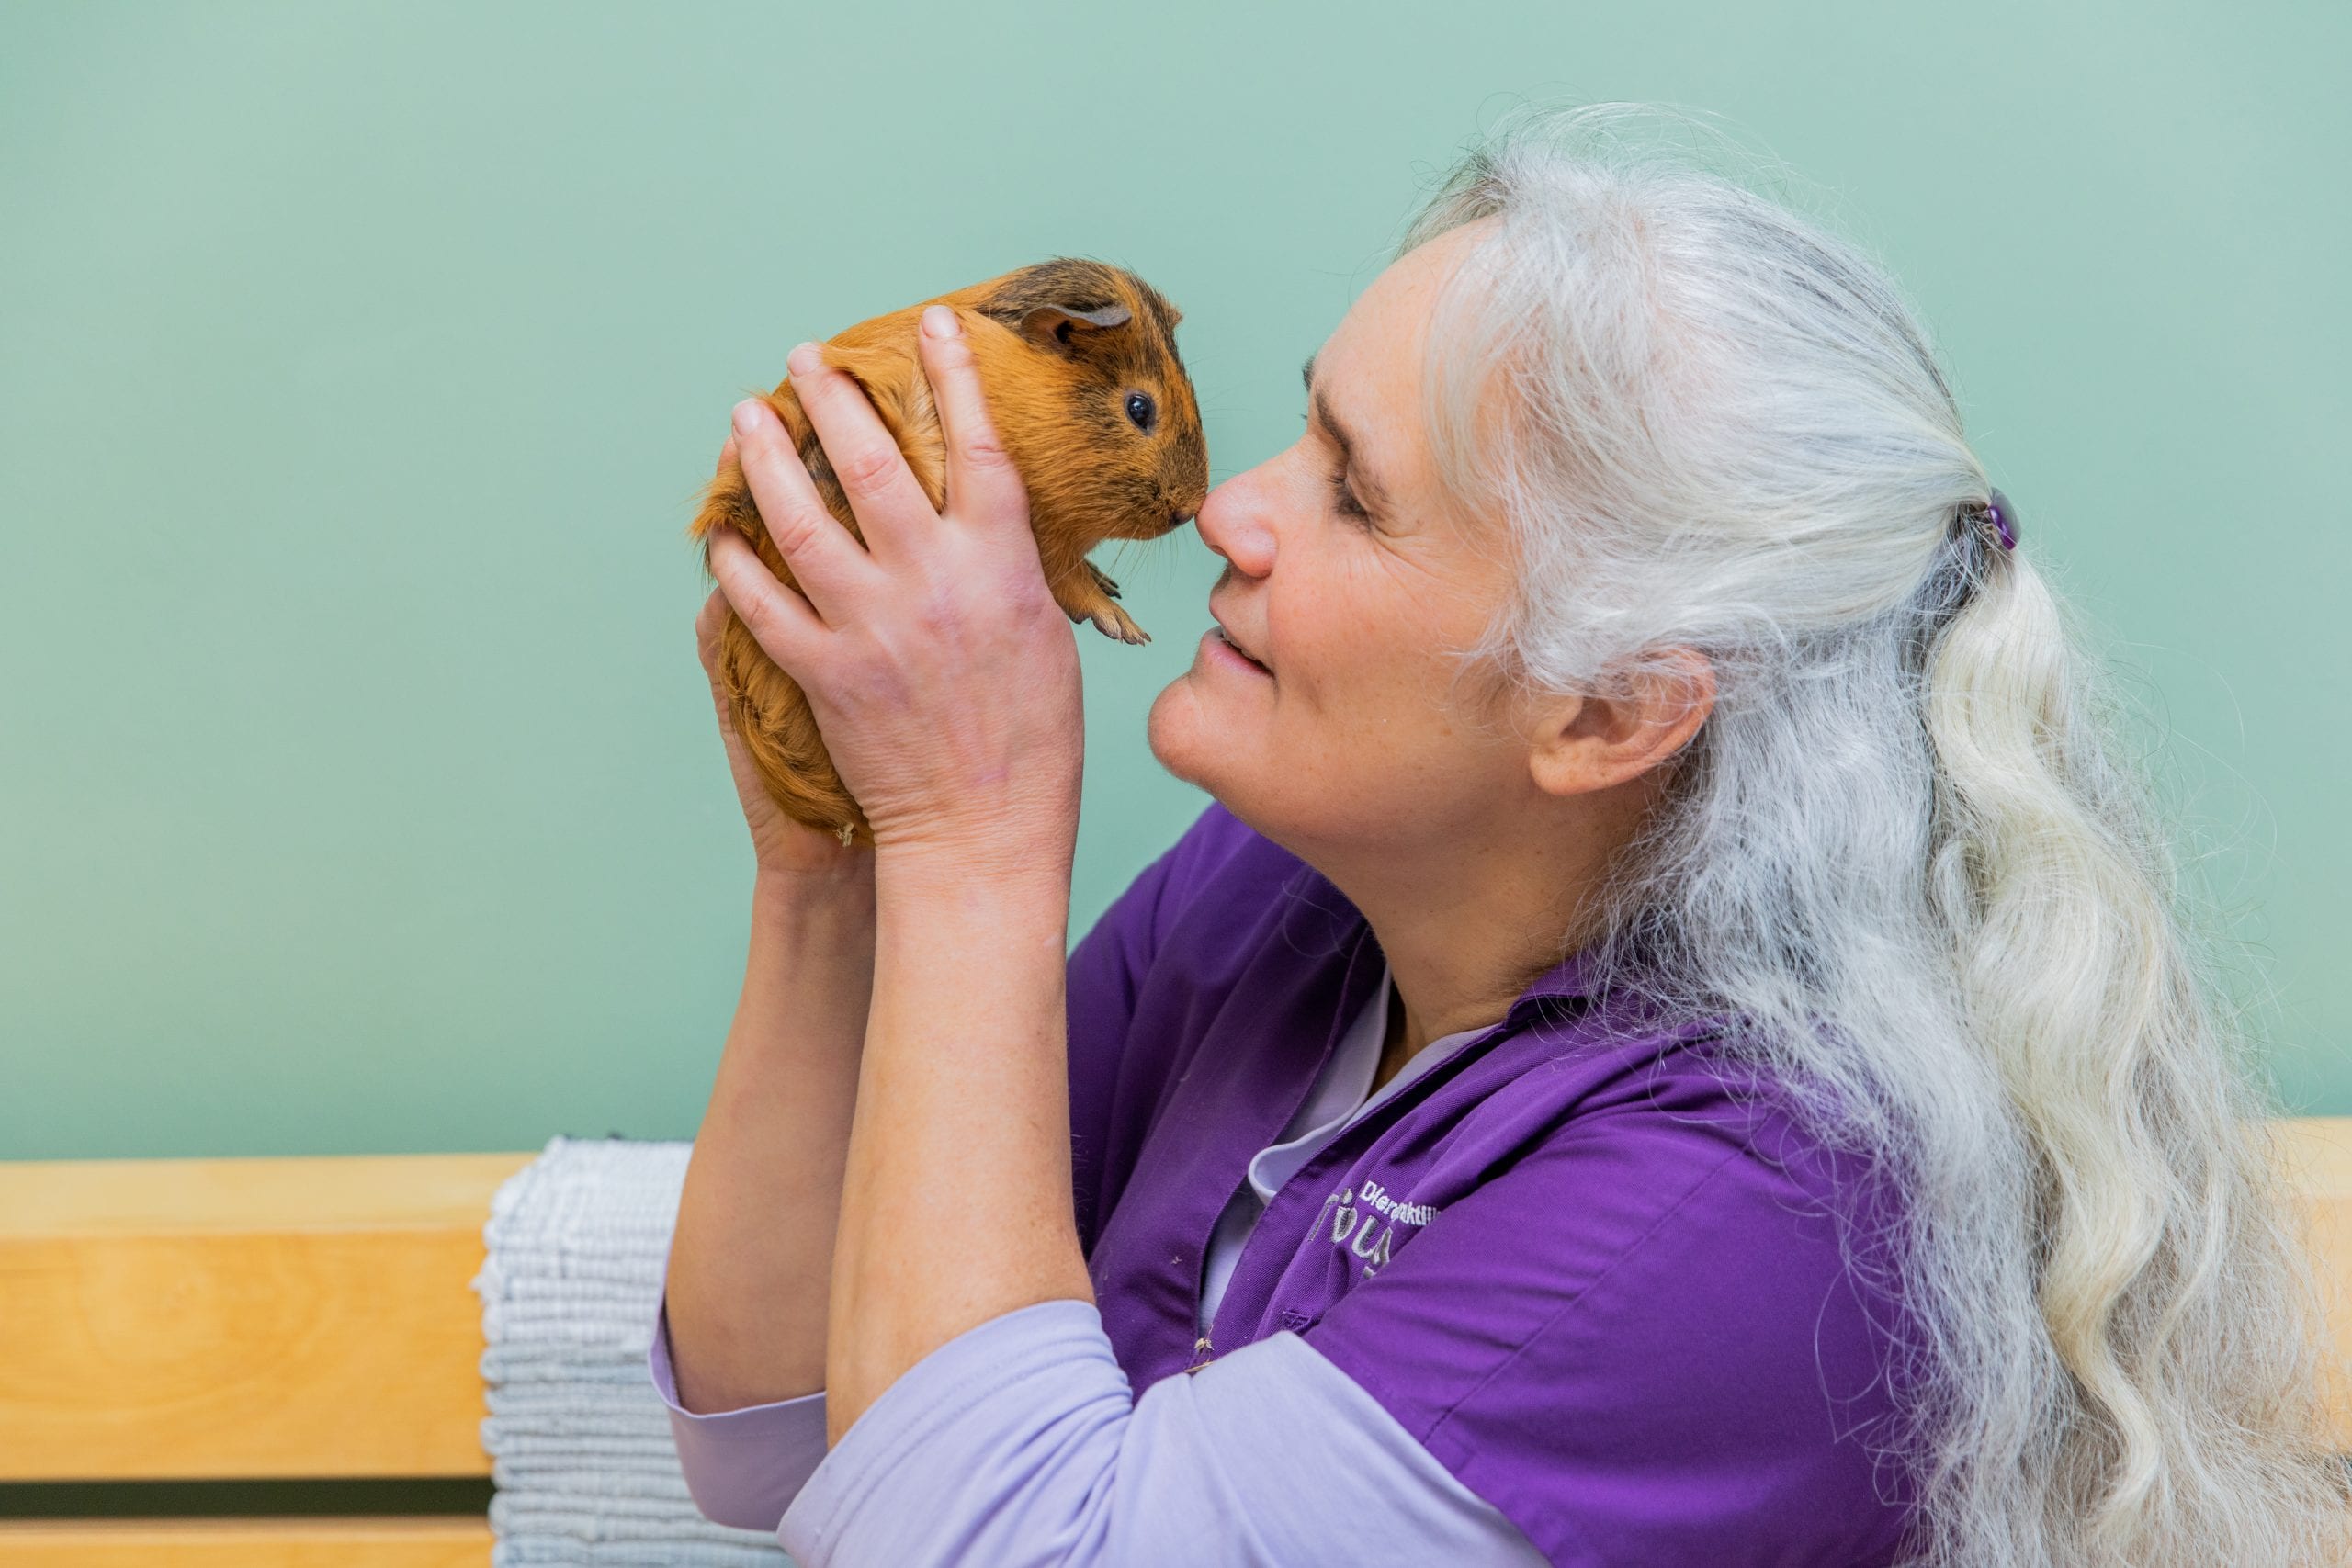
[[1345, 499]]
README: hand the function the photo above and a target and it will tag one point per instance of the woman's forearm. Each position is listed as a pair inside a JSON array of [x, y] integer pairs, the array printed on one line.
[[955, 1208], [751, 1263]]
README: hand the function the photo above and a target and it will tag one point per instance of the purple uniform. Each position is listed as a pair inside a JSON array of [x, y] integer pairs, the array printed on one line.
[[1587, 1262]]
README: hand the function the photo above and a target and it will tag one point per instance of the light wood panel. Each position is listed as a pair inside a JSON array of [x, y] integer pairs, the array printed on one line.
[[208, 1196], [425, 1542], [182, 1319], [2317, 1154]]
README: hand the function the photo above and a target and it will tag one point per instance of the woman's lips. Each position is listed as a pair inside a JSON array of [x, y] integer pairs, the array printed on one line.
[[1224, 652]]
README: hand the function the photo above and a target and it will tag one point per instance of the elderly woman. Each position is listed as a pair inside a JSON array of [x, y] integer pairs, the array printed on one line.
[[1672, 1044]]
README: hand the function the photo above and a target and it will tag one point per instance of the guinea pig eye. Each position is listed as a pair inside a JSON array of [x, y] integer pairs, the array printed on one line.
[[1140, 409]]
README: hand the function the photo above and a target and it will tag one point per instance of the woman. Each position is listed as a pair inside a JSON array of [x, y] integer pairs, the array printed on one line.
[[1672, 1044]]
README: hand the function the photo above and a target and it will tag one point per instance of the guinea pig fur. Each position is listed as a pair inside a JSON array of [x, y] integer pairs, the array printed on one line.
[[1077, 362]]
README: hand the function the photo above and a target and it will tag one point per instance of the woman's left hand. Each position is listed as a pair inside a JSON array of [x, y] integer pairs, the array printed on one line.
[[943, 675]]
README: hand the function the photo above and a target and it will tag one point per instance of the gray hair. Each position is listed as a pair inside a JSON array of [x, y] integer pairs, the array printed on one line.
[[1906, 846]]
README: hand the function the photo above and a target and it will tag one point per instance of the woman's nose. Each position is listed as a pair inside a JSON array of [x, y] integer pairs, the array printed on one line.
[[1232, 522]]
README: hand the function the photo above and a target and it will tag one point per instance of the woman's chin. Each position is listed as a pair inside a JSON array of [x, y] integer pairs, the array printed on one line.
[[1188, 734]]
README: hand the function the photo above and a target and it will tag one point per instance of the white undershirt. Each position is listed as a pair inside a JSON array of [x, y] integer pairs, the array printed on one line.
[[1336, 1100]]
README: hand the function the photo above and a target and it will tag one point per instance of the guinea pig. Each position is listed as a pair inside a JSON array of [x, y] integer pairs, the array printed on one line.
[[1078, 364]]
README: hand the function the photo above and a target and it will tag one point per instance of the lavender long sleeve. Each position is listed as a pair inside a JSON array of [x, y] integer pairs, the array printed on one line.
[[1020, 1443], [742, 1466]]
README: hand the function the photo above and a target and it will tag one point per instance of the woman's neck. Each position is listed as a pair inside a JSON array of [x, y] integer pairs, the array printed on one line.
[[1393, 1055], [1467, 926]]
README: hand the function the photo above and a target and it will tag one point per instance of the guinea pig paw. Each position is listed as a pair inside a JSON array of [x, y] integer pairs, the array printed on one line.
[[1101, 579], [1113, 622]]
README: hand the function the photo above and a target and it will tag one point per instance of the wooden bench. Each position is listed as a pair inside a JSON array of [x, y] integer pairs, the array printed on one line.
[[283, 1319], [237, 1320]]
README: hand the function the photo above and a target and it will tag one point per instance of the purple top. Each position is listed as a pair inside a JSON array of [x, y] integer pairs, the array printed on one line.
[[1590, 1263], [1343, 1093], [1244, 1450]]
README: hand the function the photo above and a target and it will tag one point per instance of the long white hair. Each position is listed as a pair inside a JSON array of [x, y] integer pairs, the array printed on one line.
[[1710, 423]]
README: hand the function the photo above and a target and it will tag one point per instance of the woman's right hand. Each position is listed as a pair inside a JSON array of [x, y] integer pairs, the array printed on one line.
[[785, 851]]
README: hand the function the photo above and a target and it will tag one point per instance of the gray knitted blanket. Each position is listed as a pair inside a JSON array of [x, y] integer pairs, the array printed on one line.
[[579, 1442]]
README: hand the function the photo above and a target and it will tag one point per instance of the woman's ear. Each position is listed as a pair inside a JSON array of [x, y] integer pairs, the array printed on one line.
[[1581, 744]]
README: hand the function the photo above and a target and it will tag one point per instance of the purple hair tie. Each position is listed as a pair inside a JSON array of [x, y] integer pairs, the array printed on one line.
[[2003, 516]]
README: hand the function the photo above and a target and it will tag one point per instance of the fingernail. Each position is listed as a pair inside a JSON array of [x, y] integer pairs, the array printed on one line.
[[940, 322], [803, 359], [747, 417]]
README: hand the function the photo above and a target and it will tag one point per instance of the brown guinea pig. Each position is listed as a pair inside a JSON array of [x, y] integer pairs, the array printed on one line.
[[1077, 362]]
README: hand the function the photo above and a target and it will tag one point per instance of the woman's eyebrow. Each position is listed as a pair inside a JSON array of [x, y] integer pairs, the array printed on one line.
[[1368, 486]]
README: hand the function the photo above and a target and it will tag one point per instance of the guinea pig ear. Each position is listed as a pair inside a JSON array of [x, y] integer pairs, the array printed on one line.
[[1054, 326]]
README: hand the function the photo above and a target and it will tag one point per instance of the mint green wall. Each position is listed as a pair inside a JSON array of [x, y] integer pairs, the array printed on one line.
[[358, 367]]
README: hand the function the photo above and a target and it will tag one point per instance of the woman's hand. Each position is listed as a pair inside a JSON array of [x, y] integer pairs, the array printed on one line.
[[942, 673]]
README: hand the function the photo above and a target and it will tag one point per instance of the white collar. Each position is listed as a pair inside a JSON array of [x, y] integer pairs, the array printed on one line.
[[1339, 1097]]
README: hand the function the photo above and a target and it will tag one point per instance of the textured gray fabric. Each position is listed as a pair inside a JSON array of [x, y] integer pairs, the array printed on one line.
[[579, 1441]]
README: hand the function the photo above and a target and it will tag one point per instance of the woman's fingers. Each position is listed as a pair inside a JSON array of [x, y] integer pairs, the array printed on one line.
[[983, 487], [707, 620], [891, 509], [826, 558], [778, 618]]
